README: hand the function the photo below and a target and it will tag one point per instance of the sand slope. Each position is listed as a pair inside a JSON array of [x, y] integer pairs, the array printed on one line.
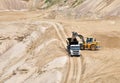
[[12, 5], [99, 7], [91, 8]]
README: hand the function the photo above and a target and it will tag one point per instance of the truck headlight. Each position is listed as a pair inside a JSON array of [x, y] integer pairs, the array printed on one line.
[[71, 51]]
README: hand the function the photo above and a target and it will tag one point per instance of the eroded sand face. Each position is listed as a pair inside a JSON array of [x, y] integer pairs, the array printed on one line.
[[33, 49], [75, 8], [7, 5]]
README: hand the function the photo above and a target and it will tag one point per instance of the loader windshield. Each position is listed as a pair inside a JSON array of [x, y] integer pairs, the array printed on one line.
[[89, 40]]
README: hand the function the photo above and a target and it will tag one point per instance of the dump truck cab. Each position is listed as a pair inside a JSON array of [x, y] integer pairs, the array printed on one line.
[[74, 50], [73, 47]]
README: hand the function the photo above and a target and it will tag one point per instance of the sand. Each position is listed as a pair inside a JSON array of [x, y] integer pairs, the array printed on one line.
[[34, 49]]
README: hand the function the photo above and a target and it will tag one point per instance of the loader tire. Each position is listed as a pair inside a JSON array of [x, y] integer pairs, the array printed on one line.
[[93, 47], [82, 47]]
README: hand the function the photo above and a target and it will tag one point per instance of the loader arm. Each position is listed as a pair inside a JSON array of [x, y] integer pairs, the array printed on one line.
[[75, 34]]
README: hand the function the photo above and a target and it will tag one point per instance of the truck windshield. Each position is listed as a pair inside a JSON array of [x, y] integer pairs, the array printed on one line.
[[75, 47]]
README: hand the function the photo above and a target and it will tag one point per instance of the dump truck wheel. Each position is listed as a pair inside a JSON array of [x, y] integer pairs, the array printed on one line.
[[93, 47], [71, 55]]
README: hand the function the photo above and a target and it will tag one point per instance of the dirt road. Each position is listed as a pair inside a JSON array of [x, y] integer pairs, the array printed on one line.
[[74, 70], [74, 63]]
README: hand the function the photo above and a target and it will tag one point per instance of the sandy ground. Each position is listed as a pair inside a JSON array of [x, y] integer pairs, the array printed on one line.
[[103, 65], [32, 49]]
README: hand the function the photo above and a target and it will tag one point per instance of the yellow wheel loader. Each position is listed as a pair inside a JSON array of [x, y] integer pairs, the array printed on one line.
[[88, 43]]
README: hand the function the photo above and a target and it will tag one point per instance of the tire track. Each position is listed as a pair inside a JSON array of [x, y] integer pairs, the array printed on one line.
[[79, 70], [75, 70], [74, 65]]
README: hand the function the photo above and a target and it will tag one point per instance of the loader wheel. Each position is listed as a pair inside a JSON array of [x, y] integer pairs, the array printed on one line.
[[93, 47], [82, 47]]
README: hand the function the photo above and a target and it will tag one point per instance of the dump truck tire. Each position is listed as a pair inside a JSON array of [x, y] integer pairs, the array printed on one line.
[[71, 55]]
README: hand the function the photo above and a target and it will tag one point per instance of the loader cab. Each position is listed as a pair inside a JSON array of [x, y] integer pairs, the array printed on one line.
[[90, 40]]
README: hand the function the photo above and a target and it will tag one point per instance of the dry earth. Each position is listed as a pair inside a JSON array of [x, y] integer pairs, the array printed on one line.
[[76, 8], [33, 49]]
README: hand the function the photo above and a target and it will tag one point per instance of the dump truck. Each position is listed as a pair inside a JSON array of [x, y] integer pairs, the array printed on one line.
[[73, 47]]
